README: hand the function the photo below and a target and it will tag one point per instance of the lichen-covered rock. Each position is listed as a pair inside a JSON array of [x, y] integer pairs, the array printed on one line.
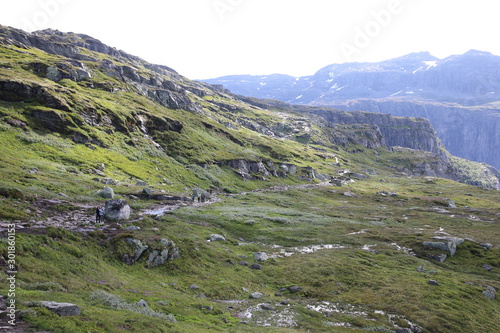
[[167, 251]]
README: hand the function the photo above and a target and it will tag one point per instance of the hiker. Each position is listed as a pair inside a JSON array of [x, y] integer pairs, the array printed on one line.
[[99, 212]]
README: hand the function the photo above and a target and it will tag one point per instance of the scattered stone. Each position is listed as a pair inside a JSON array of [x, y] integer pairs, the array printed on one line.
[[106, 193], [141, 183], [487, 267], [267, 307], [256, 266], [243, 263], [217, 238], [285, 302], [449, 244], [208, 308], [256, 295], [142, 304], [260, 256], [486, 246], [420, 269], [451, 203], [433, 282], [439, 257], [490, 293], [147, 191], [349, 194], [132, 228], [61, 309], [194, 287], [294, 289], [107, 181]]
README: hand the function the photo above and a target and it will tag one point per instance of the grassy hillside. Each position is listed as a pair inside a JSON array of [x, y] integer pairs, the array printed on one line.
[[346, 258]]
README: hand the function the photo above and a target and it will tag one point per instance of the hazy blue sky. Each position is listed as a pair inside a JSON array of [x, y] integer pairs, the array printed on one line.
[[208, 38]]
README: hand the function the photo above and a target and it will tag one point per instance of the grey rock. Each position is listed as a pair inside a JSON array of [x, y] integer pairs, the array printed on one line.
[[260, 256], [490, 293], [147, 192], [349, 194], [433, 282], [256, 295], [61, 309], [138, 249], [168, 251], [106, 193], [267, 307], [294, 289], [487, 267], [448, 244], [486, 246], [116, 210], [194, 287], [256, 266], [132, 228], [243, 263], [451, 203], [141, 183], [439, 257], [420, 269], [142, 304], [217, 238], [403, 330]]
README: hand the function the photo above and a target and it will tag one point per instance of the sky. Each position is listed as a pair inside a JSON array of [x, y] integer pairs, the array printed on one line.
[[204, 39]]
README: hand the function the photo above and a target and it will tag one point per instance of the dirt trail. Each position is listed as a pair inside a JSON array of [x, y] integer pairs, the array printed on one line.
[[80, 217]]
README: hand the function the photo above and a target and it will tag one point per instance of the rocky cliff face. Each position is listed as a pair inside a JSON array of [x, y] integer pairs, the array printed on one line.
[[77, 89], [469, 132], [415, 133]]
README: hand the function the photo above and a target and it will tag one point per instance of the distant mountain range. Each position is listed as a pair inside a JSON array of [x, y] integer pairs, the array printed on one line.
[[458, 94]]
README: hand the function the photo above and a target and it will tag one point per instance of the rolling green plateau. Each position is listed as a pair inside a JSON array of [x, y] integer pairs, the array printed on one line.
[[237, 214]]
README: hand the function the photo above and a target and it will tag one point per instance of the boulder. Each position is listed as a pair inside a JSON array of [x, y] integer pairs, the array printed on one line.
[[487, 267], [490, 293], [168, 251], [447, 244], [106, 193], [216, 238], [433, 282], [260, 256], [142, 304], [116, 210], [61, 309], [294, 289], [138, 249], [256, 295], [256, 266]]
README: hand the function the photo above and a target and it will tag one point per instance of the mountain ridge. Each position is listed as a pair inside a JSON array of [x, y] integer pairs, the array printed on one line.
[[470, 81], [226, 213]]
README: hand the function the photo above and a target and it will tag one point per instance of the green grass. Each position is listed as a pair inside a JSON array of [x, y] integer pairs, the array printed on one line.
[[366, 272]]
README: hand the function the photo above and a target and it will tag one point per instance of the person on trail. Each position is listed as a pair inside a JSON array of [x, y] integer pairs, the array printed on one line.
[[99, 212]]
